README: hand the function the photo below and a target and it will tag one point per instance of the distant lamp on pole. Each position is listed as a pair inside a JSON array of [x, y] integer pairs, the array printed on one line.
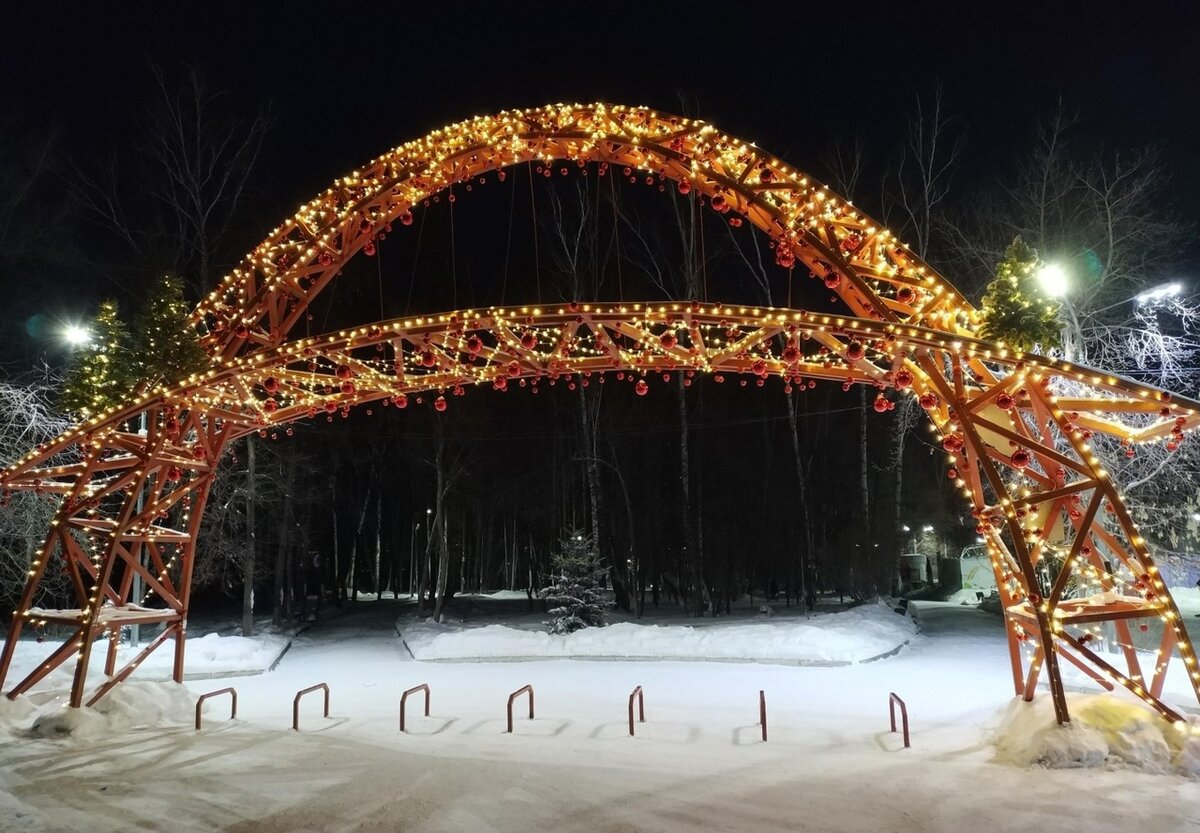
[[1159, 293]]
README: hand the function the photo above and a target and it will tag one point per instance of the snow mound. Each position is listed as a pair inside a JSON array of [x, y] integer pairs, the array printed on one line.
[[215, 654], [1105, 731], [127, 706], [855, 635]]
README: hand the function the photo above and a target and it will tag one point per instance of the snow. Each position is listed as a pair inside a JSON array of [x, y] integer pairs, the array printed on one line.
[[831, 765], [856, 635], [1104, 731]]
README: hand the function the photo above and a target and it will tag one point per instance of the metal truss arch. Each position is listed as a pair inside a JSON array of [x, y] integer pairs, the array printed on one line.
[[1022, 431]]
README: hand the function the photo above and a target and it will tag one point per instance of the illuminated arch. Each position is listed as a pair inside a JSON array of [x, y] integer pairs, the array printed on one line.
[[1017, 427]]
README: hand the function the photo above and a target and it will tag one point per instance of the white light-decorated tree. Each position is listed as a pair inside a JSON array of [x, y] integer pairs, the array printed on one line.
[[574, 599]]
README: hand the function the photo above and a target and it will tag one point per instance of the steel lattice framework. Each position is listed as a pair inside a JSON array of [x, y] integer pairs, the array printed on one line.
[[1023, 433]]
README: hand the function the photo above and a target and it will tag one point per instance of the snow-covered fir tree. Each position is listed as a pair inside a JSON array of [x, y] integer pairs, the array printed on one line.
[[1015, 309], [574, 598]]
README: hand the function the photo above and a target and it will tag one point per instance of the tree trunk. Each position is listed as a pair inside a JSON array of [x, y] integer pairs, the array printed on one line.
[[858, 566], [802, 485], [378, 541], [286, 521], [248, 564], [691, 555], [439, 524]]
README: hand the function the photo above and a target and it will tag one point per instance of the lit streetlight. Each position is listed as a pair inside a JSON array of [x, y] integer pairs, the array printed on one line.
[[1053, 279], [76, 336], [1158, 293]]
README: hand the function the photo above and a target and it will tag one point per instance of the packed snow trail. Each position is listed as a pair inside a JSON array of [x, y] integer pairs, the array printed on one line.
[[697, 763]]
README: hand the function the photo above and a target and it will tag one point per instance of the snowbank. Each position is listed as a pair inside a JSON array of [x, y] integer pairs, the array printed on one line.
[[128, 706], [845, 637], [1105, 731]]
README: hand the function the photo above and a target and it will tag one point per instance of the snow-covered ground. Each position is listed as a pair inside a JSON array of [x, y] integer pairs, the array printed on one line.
[[697, 763], [860, 634]]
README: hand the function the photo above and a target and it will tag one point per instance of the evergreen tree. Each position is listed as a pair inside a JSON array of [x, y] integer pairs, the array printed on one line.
[[574, 598], [166, 347], [100, 374], [1015, 309]]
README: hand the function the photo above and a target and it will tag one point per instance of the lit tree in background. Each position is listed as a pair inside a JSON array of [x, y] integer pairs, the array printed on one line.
[[166, 348], [574, 598], [1015, 309], [100, 375]]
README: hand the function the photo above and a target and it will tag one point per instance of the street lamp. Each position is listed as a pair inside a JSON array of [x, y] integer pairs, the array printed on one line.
[[76, 336], [1053, 279], [1158, 293]]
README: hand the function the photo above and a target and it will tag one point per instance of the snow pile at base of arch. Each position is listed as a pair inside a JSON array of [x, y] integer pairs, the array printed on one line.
[[1105, 731]]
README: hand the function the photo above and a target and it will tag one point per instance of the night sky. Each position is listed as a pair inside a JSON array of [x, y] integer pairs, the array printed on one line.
[[347, 81]]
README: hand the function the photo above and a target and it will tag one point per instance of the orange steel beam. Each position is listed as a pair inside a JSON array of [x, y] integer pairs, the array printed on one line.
[[1017, 427]]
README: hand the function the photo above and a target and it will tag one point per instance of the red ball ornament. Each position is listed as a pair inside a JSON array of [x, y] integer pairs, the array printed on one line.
[[904, 378], [401, 401], [855, 351], [514, 368], [1005, 401], [270, 384], [330, 407], [1021, 458], [952, 474], [880, 404], [668, 340], [325, 259], [791, 354], [500, 382], [928, 400], [759, 368], [439, 404], [833, 280], [641, 388], [428, 359], [474, 345], [343, 372], [348, 388], [270, 405], [906, 295], [174, 473], [684, 186], [528, 340]]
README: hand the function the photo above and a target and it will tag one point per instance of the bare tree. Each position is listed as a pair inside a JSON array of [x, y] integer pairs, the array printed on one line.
[[191, 174], [27, 417]]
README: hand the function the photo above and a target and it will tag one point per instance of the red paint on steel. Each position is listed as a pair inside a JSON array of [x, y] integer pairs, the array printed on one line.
[[404, 700], [637, 692], [893, 699], [522, 690], [296, 703], [232, 692], [762, 713]]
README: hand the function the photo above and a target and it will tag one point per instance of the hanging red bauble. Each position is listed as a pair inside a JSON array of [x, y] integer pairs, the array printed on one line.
[[270, 405], [343, 372], [401, 400], [369, 248], [325, 259], [528, 340], [1005, 401], [514, 368], [428, 359], [880, 404], [684, 186], [348, 388], [906, 295], [270, 384], [439, 404], [791, 354], [1021, 458], [199, 452], [952, 473], [241, 331], [928, 400], [904, 378], [500, 382], [718, 202], [952, 443], [174, 473], [759, 368], [330, 407], [855, 351], [641, 387], [474, 345], [833, 280]]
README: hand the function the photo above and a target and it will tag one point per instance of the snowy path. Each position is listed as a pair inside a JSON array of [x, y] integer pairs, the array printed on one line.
[[697, 763]]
